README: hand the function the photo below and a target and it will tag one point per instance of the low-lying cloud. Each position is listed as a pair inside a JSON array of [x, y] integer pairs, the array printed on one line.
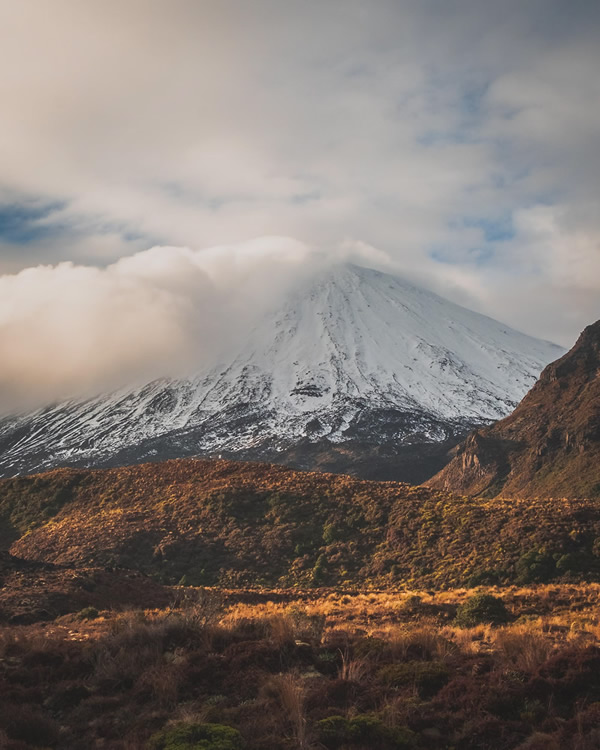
[[71, 330]]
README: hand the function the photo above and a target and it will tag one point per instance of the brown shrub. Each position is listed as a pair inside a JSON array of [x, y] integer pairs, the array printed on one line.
[[288, 691], [29, 724], [419, 642], [161, 682]]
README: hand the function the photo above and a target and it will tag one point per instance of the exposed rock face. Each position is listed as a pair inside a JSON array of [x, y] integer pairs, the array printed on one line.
[[550, 444]]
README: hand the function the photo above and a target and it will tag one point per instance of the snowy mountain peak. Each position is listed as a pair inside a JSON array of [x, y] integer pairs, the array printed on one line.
[[353, 354], [359, 333]]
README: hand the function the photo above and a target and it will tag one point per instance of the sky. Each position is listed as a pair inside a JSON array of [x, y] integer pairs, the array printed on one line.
[[170, 168]]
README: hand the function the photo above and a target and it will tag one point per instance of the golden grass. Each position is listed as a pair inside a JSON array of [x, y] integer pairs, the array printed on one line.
[[524, 646], [152, 657], [544, 617]]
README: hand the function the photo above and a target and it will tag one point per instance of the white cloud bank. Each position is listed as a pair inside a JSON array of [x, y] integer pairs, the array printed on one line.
[[70, 330]]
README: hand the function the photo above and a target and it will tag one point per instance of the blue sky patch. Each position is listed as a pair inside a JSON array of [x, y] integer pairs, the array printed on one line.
[[23, 223], [494, 230]]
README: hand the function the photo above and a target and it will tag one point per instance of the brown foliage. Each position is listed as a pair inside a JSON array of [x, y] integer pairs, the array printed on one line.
[[115, 680]]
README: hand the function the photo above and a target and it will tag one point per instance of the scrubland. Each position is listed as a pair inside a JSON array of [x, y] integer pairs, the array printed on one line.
[[319, 668], [221, 523]]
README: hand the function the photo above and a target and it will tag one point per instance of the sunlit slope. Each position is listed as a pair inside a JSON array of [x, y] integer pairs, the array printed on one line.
[[229, 523]]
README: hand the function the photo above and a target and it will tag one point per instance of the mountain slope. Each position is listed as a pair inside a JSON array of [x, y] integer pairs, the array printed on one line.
[[237, 524], [550, 444], [355, 358]]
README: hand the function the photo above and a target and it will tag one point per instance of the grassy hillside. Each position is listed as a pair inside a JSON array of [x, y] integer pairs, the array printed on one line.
[[224, 523]]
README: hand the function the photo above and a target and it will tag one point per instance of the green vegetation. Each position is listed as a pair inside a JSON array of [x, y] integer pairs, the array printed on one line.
[[482, 609], [197, 737], [88, 613], [28, 502], [535, 566], [365, 730]]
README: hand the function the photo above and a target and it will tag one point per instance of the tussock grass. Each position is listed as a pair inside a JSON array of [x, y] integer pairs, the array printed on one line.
[[294, 671]]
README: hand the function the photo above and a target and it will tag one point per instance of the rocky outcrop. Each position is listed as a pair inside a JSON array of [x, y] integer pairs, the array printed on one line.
[[550, 444]]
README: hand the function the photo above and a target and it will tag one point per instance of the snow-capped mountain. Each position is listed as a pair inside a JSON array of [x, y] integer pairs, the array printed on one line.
[[354, 357]]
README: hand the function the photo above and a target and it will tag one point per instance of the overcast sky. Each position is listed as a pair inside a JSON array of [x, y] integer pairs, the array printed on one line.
[[455, 141]]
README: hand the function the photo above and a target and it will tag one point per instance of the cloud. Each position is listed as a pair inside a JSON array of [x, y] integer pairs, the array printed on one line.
[[459, 140], [71, 330]]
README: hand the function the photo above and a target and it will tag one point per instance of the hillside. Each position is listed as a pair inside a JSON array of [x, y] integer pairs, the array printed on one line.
[[550, 444], [226, 523], [358, 371]]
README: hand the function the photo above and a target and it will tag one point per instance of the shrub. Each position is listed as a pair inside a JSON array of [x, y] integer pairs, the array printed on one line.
[[370, 647], [535, 566], [330, 533], [184, 736], [365, 731], [411, 605], [421, 642], [480, 609], [88, 613], [485, 577], [369, 729], [538, 741], [427, 676], [574, 562], [333, 731], [28, 724], [307, 627], [318, 573]]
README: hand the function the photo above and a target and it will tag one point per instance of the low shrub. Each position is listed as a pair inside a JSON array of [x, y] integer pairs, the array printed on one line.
[[370, 647], [427, 676], [364, 731], [484, 577], [184, 736], [482, 609], [307, 627], [412, 605], [87, 613], [29, 724]]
